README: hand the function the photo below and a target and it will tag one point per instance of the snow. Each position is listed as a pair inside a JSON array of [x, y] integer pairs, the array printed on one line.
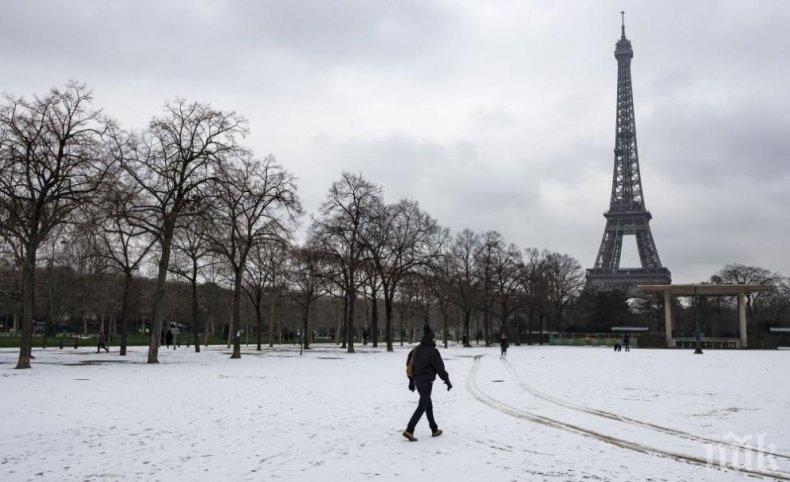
[[543, 413]]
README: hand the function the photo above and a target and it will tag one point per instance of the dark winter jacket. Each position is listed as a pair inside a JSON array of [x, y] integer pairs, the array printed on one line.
[[427, 361], [503, 343]]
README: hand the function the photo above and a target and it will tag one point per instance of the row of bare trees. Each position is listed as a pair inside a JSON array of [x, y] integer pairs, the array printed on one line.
[[185, 198], [184, 183], [398, 253]]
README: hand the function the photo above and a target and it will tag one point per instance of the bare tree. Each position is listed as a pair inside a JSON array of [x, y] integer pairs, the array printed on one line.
[[491, 245], [254, 202], [439, 280], [743, 274], [344, 216], [373, 283], [400, 238], [308, 282], [52, 158], [462, 272], [174, 158], [508, 293], [123, 245], [192, 257], [534, 283], [565, 280], [265, 266]]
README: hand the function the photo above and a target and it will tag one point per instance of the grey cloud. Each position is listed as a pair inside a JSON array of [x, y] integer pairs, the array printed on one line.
[[494, 115]]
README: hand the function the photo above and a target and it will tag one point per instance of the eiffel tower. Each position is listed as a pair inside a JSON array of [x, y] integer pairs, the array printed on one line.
[[627, 214]]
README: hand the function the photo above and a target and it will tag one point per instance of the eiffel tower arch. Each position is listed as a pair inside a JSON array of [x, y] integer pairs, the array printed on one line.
[[627, 214]]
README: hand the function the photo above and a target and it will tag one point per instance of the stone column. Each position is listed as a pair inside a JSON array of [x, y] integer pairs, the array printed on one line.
[[742, 317], [669, 316]]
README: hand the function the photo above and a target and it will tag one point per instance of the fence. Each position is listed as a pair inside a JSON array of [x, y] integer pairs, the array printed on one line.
[[589, 339]]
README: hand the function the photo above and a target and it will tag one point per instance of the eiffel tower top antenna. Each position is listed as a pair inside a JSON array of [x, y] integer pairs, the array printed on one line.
[[622, 22]]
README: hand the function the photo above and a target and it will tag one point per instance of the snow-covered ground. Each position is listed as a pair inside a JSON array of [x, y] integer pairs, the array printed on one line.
[[544, 413]]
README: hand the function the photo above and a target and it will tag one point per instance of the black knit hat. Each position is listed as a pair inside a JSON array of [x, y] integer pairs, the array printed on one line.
[[427, 331]]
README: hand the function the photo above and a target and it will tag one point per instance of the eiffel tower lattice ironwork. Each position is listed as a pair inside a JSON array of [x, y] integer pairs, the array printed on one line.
[[627, 214]]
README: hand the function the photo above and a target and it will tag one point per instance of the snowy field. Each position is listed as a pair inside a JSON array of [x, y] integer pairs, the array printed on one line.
[[544, 413]]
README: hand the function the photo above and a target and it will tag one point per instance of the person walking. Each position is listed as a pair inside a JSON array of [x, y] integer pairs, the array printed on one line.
[[422, 365], [175, 331], [627, 341], [169, 338], [503, 344], [102, 343]]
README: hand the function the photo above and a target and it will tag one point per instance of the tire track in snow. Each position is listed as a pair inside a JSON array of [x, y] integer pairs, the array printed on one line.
[[476, 392], [633, 421]]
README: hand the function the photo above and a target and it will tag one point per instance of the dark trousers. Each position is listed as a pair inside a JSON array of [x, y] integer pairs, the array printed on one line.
[[424, 405]]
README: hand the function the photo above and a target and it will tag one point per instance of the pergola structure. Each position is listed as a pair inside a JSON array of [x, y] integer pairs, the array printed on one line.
[[673, 290]]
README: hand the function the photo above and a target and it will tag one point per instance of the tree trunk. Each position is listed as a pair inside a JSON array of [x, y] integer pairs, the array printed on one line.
[[306, 327], [28, 308], [350, 320], [127, 285], [444, 327], [388, 321], [195, 307], [374, 317], [342, 332], [271, 318], [467, 316], [487, 326], [258, 319], [158, 315], [236, 319], [402, 327], [340, 320]]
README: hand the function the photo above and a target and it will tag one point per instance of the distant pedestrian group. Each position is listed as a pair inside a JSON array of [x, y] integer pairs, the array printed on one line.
[[626, 343], [168, 337]]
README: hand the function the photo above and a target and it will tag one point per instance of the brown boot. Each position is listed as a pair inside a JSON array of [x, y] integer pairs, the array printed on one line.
[[436, 433], [409, 436]]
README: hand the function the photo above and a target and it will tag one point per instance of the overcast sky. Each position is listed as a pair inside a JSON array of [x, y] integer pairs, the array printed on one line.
[[493, 115]]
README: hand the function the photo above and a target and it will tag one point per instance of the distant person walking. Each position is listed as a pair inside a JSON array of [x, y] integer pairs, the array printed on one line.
[[169, 338], [102, 343], [627, 341], [503, 344], [465, 340], [422, 365]]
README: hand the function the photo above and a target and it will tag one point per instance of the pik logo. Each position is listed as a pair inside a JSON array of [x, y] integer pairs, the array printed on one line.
[[754, 454]]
